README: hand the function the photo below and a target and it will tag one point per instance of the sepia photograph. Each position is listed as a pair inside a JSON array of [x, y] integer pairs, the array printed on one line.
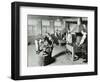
[[56, 40]]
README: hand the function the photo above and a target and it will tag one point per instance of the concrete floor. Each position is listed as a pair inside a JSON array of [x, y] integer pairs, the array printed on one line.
[[58, 53]]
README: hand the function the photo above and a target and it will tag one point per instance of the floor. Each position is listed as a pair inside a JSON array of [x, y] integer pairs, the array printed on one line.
[[58, 53]]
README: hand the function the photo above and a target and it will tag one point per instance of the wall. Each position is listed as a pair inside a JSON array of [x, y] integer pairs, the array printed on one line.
[[5, 40]]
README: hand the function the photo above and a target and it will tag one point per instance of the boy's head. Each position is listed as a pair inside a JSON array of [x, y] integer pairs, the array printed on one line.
[[78, 37]]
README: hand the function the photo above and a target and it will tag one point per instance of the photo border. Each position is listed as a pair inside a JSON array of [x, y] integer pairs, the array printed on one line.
[[15, 40]]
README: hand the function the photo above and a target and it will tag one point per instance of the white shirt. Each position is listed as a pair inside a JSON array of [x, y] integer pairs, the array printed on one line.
[[83, 37]]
